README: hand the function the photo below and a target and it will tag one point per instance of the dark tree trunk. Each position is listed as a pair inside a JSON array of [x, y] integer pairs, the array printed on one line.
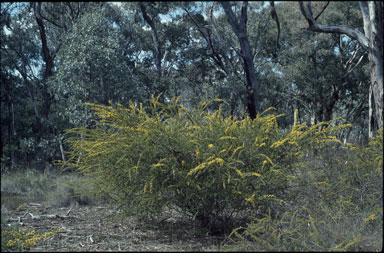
[[157, 50], [104, 91], [240, 29], [331, 104], [1, 141], [48, 58], [11, 130]]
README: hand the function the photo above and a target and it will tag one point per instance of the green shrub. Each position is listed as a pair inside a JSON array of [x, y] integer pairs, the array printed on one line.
[[200, 163]]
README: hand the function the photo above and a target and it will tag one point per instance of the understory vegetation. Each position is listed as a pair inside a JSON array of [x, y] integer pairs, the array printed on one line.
[[266, 188]]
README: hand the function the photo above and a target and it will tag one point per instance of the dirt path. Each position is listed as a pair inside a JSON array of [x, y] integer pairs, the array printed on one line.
[[91, 228]]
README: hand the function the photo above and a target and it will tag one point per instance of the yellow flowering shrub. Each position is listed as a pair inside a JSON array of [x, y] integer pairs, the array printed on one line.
[[208, 166]]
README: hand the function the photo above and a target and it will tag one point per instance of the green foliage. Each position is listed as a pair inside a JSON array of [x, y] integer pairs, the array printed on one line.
[[212, 168], [207, 166], [366, 174], [90, 68], [104, 51]]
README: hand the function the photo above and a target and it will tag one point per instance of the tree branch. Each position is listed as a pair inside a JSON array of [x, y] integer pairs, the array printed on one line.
[[155, 38], [276, 18], [313, 26], [237, 28], [321, 12], [215, 55], [365, 12], [231, 16]]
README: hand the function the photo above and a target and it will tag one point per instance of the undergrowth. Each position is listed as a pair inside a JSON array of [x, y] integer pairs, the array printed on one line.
[[337, 206], [264, 188], [214, 169]]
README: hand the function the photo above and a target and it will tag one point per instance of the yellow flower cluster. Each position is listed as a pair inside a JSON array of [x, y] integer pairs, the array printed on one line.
[[25, 239], [372, 217]]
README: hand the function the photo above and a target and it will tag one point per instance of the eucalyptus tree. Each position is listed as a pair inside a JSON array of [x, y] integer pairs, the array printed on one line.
[[34, 35], [155, 44], [13, 96], [239, 27], [158, 47], [20, 49], [91, 66], [154, 41], [324, 75], [371, 40]]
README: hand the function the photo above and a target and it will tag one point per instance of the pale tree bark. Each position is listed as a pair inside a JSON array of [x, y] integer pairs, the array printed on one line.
[[372, 41], [373, 28], [239, 27]]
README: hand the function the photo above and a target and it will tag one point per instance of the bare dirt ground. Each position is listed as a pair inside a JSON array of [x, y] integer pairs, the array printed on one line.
[[93, 228]]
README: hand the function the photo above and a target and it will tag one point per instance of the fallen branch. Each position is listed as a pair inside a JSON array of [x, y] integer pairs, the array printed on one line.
[[41, 217]]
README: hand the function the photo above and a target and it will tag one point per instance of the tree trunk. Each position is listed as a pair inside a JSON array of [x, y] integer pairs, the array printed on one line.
[[62, 151], [240, 29], [48, 58], [104, 90], [331, 104], [375, 56], [1, 141], [157, 52], [11, 131]]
